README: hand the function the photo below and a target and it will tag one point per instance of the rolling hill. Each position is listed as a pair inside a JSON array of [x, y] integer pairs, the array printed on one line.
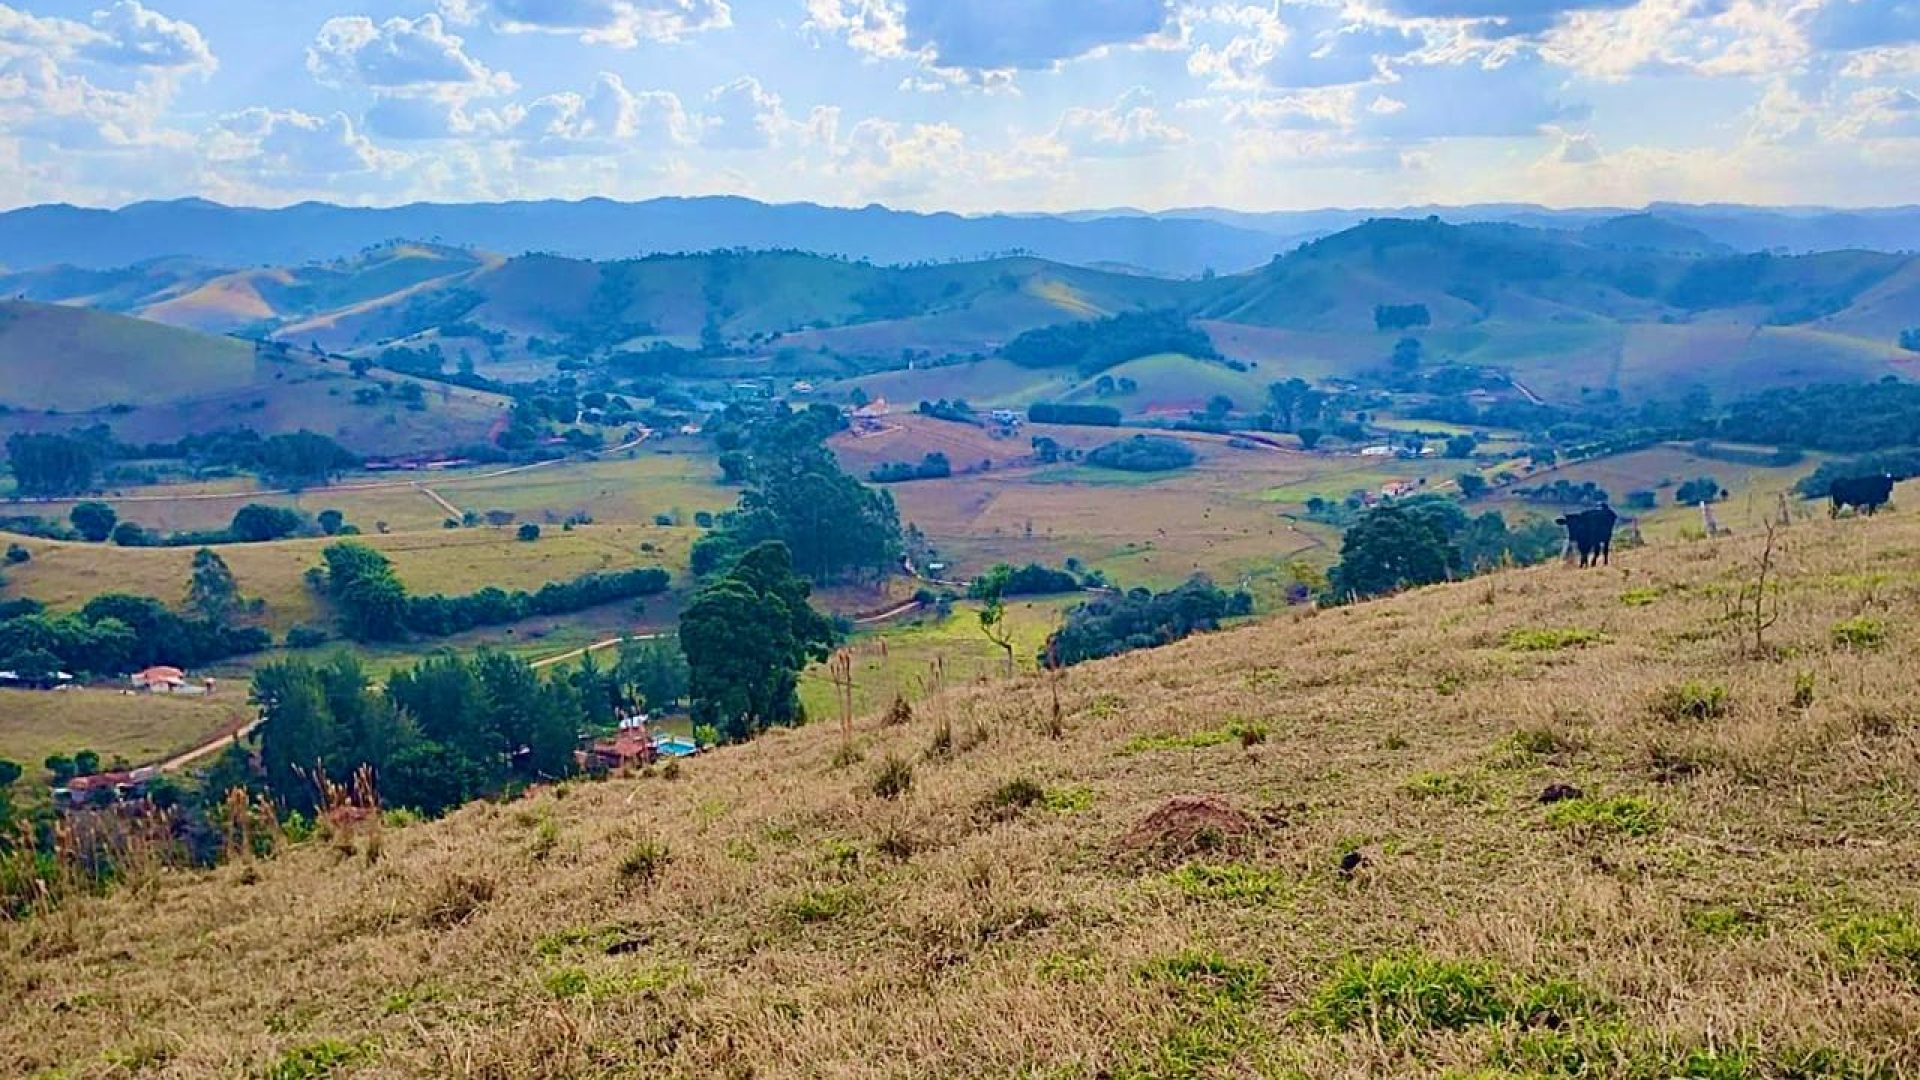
[[1546, 824], [65, 367]]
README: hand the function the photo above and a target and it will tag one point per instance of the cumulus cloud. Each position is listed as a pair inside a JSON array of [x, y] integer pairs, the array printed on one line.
[[402, 57], [620, 23], [1293, 46], [1131, 125], [608, 118], [742, 115], [294, 147], [130, 35], [967, 40]]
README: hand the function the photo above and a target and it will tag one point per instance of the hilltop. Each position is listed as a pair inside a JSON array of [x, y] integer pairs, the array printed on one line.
[[64, 367], [1312, 846]]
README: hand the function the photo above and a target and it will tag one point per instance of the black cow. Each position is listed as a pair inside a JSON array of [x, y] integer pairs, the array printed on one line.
[[1592, 532], [1869, 493]]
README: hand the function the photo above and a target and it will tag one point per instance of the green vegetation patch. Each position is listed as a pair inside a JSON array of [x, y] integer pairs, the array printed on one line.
[[1691, 701], [1642, 596], [314, 1061], [569, 983], [1247, 734], [1459, 790], [1414, 992], [1206, 978], [821, 905], [1891, 939], [1234, 883], [1622, 815], [1551, 639], [1069, 800], [1862, 633]]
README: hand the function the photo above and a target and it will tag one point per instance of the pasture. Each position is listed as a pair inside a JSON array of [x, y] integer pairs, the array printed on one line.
[[141, 728]]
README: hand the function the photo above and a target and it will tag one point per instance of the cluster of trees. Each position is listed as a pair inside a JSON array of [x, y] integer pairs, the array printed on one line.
[[1401, 316], [931, 467], [1698, 490], [116, 633], [833, 526], [1029, 580], [1563, 492], [1141, 619], [1847, 418], [440, 733], [1143, 453], [747, 636], [1094, 346], [956, 410], [1060, 412], [253, 523], [374, 605], [1431, 538], [52, 465], [1899, 464]]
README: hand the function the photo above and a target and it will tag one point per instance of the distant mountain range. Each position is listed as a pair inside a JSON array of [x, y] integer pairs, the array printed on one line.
[[1178, 243]]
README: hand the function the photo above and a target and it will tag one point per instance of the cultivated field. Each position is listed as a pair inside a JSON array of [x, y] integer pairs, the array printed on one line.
[[1318, 846]]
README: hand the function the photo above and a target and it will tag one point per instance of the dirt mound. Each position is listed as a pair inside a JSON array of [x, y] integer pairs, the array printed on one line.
[[1187, 825]]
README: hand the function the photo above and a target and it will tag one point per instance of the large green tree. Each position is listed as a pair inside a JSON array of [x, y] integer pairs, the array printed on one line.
[[372, 601], [93, 520], [49, 464], [1389, 549], [747, 636], [212, 591]]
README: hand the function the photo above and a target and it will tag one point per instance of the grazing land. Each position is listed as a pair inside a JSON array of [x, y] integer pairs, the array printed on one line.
[[1545, 823], [139, 728]]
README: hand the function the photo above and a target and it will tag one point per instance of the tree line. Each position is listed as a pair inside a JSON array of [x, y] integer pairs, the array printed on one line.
[[1093, 346], [374, 606], [52, 465], [116, 633]]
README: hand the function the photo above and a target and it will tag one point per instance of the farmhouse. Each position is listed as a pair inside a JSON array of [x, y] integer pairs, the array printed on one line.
[[160, 679], [124, 786]]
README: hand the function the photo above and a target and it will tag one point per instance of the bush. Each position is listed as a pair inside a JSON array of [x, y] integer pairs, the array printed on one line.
[[305, 637], [1143, 453], [529, 532], [644, 862], [894, 779], [17, 554], [1015, 795]]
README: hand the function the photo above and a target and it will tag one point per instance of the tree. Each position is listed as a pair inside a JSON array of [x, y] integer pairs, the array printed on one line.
[[51, 465], [361, 581], [10, 771], [1293, 403], [529, 532], [1309, 437], [1218, 406], [655, 669], [1406, 354], [211, 589], [993, 622], [1472, 485], [257, 523], [86, 763], [61, 766], [330, 521], [93, 520], [1461, 446], [1389, 549], [130, 534], [746, 637]]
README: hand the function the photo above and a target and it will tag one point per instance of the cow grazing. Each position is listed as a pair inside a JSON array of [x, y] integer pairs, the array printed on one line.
[[1592, 532], [1868, 493]]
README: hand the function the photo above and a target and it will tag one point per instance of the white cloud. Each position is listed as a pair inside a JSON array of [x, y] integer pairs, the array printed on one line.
[[620, 23], [1297, 45], [985, 42], [742, 115], [401, 57], [1131, 125], [285, 146], [130, 35], [607, 119]]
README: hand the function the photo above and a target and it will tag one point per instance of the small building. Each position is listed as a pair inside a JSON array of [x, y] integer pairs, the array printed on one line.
[[107, 787], [160, 679], [1377, 451], [51, 680], [872, 410]]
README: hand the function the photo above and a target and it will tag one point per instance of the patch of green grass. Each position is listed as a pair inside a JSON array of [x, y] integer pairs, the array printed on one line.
[[821, 905], [1415, 992], [1539, 742], [1642, 596], [1207, 978], [1726, 922], [1551, 639], [1862, 632], [571, 982], [1246, 734], [1891, 939], [314, 1061], [1231, 882], [1017, 794], [1459, 790], [1068, 800], [1622, 815]]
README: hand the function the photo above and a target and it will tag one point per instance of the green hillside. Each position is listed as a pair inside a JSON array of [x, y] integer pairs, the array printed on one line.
[[73, 359]]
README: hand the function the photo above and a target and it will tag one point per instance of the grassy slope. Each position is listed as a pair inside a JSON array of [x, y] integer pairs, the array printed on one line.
[[54, 357], [140, 728], [789, 923]]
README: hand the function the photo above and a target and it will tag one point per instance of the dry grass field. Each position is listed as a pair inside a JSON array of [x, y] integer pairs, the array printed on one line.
[[1324, 846], [141, 728], [67, 575]]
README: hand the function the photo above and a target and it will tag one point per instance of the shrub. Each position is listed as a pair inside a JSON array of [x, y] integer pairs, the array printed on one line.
[[305, 637], [1862, 632], [1691, 701], [1624, 815], [529, 532], [644, 862], [894, 779], [17, 554]]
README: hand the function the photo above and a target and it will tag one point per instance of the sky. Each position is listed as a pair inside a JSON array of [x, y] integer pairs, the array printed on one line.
[[965, 105]]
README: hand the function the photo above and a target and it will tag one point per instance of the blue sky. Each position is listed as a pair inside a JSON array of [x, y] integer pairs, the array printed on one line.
[[968, 105]]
